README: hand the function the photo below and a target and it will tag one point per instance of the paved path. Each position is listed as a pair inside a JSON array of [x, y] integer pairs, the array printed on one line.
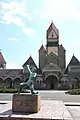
[[54, 110], [48, 95], [74, 111]]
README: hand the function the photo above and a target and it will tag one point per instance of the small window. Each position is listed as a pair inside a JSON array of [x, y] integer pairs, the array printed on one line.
[[52, 35]]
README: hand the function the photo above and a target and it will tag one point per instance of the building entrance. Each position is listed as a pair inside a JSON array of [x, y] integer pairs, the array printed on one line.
[[51, 82], [52, 86]]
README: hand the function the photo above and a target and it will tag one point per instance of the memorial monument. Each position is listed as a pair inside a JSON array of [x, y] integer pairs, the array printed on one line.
[[29, 84], [27, 102]]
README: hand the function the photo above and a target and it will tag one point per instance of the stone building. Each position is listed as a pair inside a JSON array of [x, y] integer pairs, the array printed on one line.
[[51, 73], [72, 73], [52, 61]]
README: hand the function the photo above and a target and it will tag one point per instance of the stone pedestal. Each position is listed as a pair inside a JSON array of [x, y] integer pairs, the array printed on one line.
[[26, 103]]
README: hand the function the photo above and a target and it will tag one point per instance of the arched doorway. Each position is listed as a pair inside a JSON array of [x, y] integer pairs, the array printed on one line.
[[1, 82], [16, 82], [51, 82], [8, 82]]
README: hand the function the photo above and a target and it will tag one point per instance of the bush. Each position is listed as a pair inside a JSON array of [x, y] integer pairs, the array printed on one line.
[[73, 92], [10, 90]]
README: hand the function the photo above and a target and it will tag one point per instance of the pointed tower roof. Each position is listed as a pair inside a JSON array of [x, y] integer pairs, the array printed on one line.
[[62, 47], [52, 26], [30, 62], [73, 61], [42, 48], [2, 60]]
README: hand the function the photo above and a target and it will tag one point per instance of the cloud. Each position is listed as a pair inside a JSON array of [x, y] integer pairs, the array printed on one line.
[[60, 9], [16, 12], [14, 39], [29, 31]]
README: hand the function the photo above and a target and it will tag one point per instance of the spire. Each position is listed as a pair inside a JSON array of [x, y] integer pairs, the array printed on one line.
[[52, 27]]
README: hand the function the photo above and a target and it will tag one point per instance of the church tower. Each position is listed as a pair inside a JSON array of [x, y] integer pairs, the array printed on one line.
[[52, 39]]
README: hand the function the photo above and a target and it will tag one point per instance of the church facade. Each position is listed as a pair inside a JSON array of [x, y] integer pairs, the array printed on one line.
[[51, 72]]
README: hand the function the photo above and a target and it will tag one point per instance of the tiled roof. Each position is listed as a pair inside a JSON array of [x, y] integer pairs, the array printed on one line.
[[2, 58], [10, 72], [52, 26]]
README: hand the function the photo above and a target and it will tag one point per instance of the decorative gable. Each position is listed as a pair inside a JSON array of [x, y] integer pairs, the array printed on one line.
[[51, 67], [52, 58]]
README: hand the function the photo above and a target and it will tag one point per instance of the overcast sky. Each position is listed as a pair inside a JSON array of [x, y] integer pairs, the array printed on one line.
[[23, 25]]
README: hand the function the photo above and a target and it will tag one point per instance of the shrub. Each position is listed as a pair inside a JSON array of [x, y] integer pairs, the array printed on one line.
[[73, 92]]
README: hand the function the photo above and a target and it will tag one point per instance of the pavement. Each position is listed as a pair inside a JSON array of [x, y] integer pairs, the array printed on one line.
[[72, 102], [74, 112], [55, 110], [48, 95]]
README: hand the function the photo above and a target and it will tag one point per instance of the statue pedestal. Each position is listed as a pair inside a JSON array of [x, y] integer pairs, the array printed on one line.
[[26, 103]]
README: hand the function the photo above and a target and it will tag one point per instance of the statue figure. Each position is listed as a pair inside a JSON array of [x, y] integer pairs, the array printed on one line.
[[29, 84]]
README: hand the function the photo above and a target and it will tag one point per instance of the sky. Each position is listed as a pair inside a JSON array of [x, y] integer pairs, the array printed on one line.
[[23, 25]]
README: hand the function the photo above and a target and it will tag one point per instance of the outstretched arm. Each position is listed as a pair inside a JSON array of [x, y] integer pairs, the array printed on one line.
[[29, 68]]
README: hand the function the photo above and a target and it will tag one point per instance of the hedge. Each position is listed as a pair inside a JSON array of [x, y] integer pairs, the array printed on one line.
[[10, 90]]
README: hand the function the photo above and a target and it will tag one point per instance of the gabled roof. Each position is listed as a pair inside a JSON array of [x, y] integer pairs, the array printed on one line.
[[30, 62], [52, 27], [42, 48], [73, 61], [2, 60]]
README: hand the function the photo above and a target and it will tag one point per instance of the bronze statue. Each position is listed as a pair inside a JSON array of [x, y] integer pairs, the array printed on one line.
[[29, 84]]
